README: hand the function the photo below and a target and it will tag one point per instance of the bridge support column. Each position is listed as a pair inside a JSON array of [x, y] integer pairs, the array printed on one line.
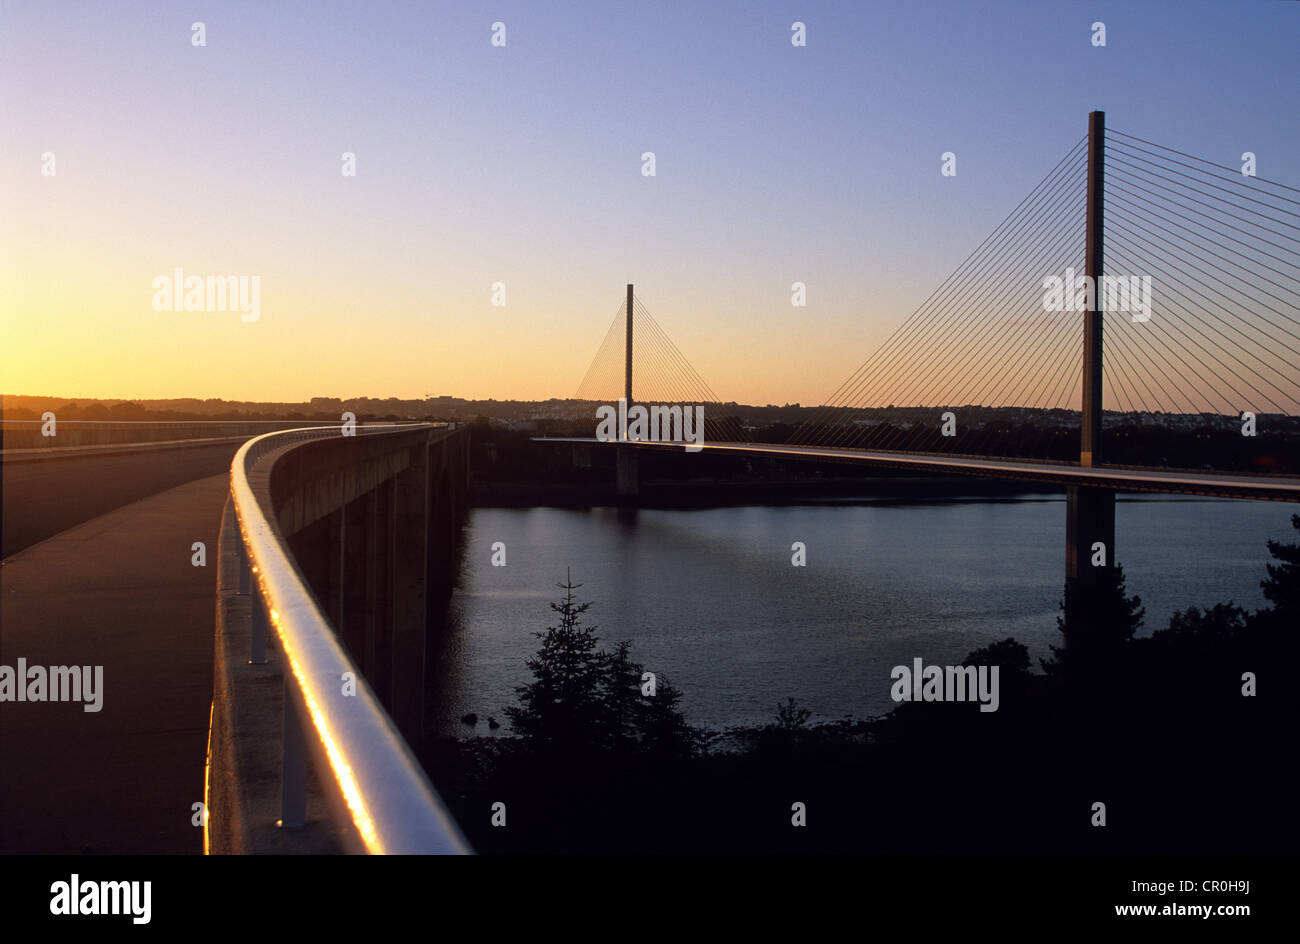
[[628, 481], [441, 528], [357, 528], [379, 597], [410, 594], [333, 566], [1089, 521], [373, 570]]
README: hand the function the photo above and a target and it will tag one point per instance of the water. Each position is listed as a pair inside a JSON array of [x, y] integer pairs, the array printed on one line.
[[709, 598]]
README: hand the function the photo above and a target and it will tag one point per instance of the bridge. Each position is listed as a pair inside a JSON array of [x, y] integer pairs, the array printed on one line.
[[1023, 322], [283, 718], [59, 474], [1255, 486], [292, 721]]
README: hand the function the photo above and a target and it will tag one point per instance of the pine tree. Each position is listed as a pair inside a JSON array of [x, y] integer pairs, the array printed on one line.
[[583, 699], [1282, 588], [622, 699], [663, 728], [1096, 623], [562, 706]]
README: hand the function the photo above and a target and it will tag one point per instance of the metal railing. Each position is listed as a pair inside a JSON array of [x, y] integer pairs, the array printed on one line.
[[361, 759]]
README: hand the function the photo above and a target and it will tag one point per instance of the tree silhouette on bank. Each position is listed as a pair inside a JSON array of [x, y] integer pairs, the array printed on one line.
[[1147, 732], [1096, 623], [584, 700], [1282, 588], [562, 706]]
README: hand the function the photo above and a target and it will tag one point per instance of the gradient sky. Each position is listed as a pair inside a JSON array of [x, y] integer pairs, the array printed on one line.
[[522, 164]]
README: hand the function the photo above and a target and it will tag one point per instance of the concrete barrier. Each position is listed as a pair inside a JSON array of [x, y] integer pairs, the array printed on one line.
[[370, 523]]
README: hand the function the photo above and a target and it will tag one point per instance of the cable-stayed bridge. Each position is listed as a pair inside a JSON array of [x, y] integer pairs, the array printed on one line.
[[1133, 282]]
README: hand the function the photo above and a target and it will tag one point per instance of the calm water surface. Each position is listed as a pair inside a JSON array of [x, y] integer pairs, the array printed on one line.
[[709, 598]]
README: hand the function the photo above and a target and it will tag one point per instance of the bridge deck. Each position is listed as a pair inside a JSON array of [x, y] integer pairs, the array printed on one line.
[[1219, 484], [117, 591]]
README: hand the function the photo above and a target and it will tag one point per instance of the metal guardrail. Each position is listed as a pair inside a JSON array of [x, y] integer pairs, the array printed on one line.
[[360, 756]]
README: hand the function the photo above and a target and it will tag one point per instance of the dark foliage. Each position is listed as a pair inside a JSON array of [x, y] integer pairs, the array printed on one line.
[[1187, 757]]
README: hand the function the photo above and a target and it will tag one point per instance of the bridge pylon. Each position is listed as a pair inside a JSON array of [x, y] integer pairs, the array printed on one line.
[[1090, 512], [627, 480]]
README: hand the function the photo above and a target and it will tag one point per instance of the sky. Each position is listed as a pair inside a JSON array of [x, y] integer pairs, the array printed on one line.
[[522, 164]]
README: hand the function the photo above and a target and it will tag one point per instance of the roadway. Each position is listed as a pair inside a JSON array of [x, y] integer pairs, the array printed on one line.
[[95, 543], [48, 491], [118, 591], [1120, 478]]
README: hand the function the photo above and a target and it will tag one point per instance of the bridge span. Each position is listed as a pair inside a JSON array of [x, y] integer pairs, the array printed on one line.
[[331, 552], [1119, 478]]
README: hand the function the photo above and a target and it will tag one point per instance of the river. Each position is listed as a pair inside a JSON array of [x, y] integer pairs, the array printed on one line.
[[710, 599]]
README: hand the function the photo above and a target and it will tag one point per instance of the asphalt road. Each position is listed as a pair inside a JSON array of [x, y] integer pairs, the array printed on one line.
[[121, 592], [44, 498]]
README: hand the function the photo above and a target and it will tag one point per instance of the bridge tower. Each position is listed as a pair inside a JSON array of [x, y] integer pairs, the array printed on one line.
[[1090, 512], [627, 483]]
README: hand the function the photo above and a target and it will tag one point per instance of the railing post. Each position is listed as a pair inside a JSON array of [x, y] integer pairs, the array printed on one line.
[[245, 572], [257, 655], [293, 762]]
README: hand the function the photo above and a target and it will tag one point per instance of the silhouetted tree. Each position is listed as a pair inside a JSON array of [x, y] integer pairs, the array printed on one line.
[[1095, 624], [664, 731], [584, 699], [127, 410], [790, 716], [1282, 588], [622, 700], [563, 706], [1011, 656], [1194, 624]]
